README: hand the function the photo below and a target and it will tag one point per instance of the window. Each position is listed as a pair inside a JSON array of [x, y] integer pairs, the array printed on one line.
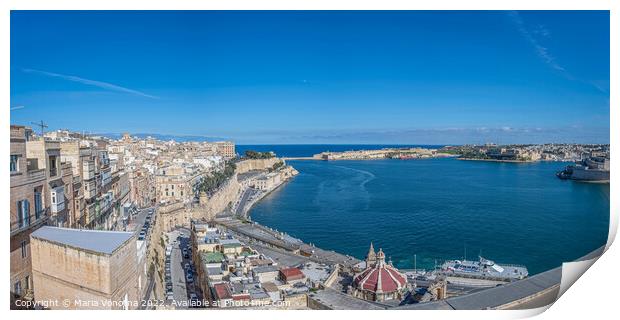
[[17, 289], [53, 167], [27, 282], [24, 249], [23, 213], [38, 204], [14, 163]]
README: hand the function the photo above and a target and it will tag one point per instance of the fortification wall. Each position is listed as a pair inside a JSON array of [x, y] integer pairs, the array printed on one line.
[[230, 192], [219, 201], [256, 164]]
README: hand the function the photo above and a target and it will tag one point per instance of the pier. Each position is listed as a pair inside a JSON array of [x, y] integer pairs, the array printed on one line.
[[301, 158]]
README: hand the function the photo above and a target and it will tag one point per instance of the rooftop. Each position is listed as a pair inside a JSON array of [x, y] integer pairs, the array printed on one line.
[[270, 287], [211, 257], [222, 291], [93, 240], [262, 269], [292, 273]]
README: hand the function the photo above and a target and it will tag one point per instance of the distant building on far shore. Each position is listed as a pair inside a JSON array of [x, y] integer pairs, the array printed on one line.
[[87, 269]]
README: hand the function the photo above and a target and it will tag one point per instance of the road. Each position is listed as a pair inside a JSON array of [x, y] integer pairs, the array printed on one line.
[[280, 256], [138, 220], [243, 202], [181, 289], [177, 272]]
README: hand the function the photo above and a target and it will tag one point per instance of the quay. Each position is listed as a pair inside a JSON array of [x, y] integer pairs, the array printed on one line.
[[266, 237]]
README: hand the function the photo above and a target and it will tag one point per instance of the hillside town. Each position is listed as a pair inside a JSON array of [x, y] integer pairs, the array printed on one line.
[[527, 153]]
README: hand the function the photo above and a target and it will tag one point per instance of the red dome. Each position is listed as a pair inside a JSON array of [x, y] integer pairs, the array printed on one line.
[[380, 278]]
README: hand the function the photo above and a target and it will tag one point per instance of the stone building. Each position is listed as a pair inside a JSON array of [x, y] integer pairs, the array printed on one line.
[[226, 149], [142, 187], [29, 210], [173, 215], [380, 281], [177, 183], [45, 154], [91, 269]]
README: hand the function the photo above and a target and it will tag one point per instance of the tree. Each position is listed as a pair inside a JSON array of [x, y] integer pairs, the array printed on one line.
[[251, 154]]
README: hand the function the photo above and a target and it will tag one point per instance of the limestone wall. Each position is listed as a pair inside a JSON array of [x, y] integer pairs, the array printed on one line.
[[231, 191], [88, 270], [317, 305], [333, 276], [296, 301], [218, 202], [256, 164], [61, 272], [156, 254]]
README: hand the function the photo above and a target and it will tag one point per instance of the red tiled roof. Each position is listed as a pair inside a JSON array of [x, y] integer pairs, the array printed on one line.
[[222, 291], [383, 277], [291, 274], [241, 297]]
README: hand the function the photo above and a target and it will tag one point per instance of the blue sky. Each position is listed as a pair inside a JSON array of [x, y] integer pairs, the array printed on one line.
[[317, 77]]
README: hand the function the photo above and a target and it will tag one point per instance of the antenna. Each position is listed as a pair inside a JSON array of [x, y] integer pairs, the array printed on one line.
[[41, 125], [415, 270], [465, 249]]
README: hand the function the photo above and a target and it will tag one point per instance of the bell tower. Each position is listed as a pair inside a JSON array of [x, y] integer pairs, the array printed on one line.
[[371, 257]]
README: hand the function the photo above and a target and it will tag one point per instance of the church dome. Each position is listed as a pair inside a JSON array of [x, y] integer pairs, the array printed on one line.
[[380, 277]]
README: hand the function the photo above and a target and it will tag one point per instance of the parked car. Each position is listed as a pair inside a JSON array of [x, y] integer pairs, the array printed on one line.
[[190, 277], [193, 296], [187, 266]]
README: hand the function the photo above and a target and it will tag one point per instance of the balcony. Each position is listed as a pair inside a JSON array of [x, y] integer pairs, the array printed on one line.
[[36, 175], [58, 199], [88, 170], [32, 222]]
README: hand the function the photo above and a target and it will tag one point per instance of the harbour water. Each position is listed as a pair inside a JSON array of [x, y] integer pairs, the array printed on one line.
[[440, 209]]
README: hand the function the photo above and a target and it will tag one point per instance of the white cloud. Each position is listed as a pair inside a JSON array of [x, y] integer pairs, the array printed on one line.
[[542, 51], [95, 83]]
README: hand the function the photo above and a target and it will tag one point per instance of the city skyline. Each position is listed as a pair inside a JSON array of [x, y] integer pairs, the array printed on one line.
[[326, 77]]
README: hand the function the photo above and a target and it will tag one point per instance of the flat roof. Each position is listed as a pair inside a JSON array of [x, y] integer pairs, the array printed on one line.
[[263, 269], [211, 257], [93, 240]]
